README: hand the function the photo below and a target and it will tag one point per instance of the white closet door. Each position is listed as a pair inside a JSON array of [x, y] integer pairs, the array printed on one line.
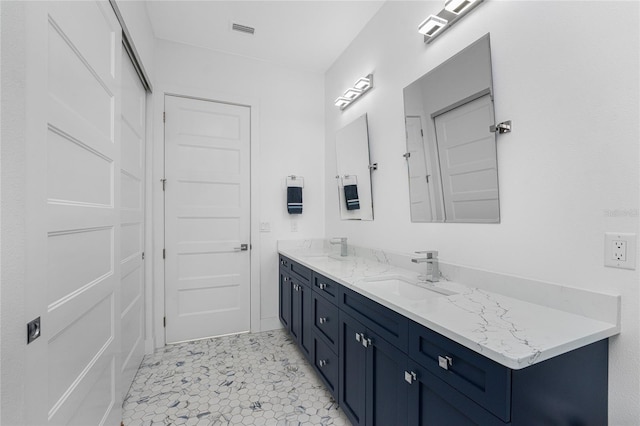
[[468, 162], [132, 221], [73, 221], [207, 219]]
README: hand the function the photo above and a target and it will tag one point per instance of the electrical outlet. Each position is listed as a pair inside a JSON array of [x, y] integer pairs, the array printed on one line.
[[265, 227], [620, 250], [294, 226]]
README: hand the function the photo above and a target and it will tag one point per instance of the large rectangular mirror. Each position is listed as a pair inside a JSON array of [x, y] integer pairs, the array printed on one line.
[[353, 172], [451, 153]]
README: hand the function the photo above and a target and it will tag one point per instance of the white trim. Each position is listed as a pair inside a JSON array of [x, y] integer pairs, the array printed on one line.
[[158, 200], [273, 323], [149, 213]]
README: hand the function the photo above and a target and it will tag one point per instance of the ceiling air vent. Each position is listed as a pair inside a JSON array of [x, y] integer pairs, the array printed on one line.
[[242, 28]]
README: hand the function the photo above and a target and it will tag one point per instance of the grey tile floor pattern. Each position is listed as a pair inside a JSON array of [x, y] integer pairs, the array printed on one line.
[[246, 379]]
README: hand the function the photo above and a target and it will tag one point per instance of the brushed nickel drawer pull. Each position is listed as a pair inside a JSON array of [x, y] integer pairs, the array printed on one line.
[[410, 377], [445, 362]]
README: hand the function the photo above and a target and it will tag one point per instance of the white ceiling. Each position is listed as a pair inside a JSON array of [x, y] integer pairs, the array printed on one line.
[[303, 34]]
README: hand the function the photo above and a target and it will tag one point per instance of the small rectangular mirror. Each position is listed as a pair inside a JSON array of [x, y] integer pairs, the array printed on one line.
[[451, 152], [353, 174]]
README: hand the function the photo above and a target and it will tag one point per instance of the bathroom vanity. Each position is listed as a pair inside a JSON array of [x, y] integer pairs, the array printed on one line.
[[459, 355]]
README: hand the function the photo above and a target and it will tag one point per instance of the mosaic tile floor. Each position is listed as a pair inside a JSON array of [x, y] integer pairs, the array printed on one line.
[[247, 379]]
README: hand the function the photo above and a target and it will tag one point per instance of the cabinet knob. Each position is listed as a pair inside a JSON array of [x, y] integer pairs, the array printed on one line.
[[366, 342], [359, 337], [410, 377], [322, 363], [322, 286], [445, 362], [323, 320], [286, 279]]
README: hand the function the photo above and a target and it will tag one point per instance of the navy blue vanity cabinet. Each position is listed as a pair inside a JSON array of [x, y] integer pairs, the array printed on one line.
[[477, 377], [325, 325], [432, 402], [301, 316], [373, 390], [284, 295], [387, 370], [454, 385], [326, 287], [295, 309]]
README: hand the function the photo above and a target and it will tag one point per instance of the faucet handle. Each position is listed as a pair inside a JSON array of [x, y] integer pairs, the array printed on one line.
[[430, 254]]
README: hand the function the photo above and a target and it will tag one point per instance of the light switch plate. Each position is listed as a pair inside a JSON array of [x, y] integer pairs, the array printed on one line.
[[265, 227], [620, 250]]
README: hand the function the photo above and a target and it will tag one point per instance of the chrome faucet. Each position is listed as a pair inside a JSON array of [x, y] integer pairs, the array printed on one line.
[[430, 258], [343, 244]]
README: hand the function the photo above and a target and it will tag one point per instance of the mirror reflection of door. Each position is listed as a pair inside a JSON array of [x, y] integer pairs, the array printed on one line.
[[421, 179], [458, 152], [468, 164]]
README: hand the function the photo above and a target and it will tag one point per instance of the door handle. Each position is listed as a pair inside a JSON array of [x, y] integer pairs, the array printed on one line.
[[243, 247]]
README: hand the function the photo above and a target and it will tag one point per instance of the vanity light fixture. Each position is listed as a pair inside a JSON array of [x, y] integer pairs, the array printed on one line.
[[360, 87], [432, 26], [458, 6], [453, 11], [352, 93], [363, 83], [342, 102]]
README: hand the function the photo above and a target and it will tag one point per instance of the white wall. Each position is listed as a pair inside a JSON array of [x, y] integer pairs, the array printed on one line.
[[572, 157], [290, 141]]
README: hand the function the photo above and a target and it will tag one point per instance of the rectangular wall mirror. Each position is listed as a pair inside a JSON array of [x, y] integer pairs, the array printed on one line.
[[353, 174], [451, 153]]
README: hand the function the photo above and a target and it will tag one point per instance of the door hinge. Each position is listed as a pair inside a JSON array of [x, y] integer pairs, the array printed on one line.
[[164, 184], [164, 253], [142, 255], [164, 117], [164, 321]]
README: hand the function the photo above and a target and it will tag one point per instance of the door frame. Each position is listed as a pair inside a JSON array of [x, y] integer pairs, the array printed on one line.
[[158, 200]]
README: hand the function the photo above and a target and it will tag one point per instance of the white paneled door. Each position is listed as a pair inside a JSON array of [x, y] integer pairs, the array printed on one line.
[[207, 218], [73, 220], [468, 162], [420, 179], [131, 222]]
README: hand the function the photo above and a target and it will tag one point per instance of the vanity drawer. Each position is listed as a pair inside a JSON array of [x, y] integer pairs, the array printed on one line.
[[326, 287], [389, 325], [482, 380], [325, 320], [326, 363], [296, 270]]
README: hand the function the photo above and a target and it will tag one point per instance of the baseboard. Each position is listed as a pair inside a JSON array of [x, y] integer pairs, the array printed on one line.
[[149, 346], [267, 324]]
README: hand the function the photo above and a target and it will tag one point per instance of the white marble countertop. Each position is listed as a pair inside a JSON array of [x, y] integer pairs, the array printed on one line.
[[512, 332]]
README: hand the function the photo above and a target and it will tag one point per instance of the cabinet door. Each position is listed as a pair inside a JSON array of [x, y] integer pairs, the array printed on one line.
[[285, 299], [296, 308], [305, 336], [352, 371], [387, 390], [432, 402]]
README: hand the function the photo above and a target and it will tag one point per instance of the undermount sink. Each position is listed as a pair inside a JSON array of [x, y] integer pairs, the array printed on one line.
[[402, 289], [324, 256]]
